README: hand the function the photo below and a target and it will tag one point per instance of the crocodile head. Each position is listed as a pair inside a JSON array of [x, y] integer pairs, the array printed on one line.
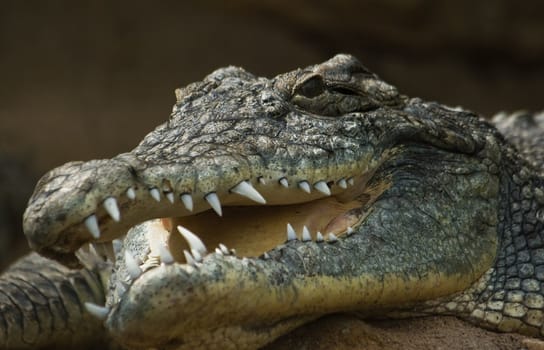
[[262, 204]]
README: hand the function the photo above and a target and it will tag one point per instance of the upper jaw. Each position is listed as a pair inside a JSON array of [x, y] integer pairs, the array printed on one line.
[[100, 200], [104, 217]]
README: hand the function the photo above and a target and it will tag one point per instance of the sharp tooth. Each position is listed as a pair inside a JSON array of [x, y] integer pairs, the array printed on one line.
[[261, 180], [218, 251], [110, 204], [332, 238], [291, 234], [92, 225], [319, 237], [349, 231], [351, 181], [245, 189], [189, 258], [194, 242], [342, 183], [224, 249], [213, 200], [196, 255], [170, 196], [154, 192], [117, 244], [305, 186], [92, 249], [322, 187], [100, 312], [131, 194], [283, 182], [266, 256], [132, 265], [306, 234], [165, 255], [187, 201]]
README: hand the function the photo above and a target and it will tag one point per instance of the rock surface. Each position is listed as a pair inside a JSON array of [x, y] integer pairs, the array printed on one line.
[[448, 333]]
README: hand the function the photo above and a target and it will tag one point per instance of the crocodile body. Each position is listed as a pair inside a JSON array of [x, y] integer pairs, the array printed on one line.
[[393, 206]]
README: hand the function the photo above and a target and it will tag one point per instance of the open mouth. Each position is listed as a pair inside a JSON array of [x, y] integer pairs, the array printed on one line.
[[322, 213], [253, 231], [248, 226], [245, 227]]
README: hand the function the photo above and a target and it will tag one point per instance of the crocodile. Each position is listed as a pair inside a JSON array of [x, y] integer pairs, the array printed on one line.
[[263, 204]]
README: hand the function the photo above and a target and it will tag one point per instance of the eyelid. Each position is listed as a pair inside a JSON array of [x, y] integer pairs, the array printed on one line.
[[343, 90], [310, 87]]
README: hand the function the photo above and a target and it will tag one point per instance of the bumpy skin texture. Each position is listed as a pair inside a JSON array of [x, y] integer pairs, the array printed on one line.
[[448, 215], [41, 305]]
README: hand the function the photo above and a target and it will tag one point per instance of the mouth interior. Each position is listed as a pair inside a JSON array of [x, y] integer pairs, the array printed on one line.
[[254, 230]]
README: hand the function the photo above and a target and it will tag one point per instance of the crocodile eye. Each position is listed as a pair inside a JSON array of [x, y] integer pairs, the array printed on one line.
[[311, 87]]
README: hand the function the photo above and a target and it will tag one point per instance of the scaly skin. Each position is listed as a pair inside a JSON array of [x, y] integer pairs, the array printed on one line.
[[41, 304], [432, 211]]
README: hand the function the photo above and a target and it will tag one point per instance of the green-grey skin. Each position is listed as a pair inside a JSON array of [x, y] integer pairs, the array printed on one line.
[[41, 305], [457, 227]]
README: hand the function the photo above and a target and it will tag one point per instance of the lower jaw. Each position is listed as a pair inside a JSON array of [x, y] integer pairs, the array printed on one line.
[[164, 257], [223, 297]]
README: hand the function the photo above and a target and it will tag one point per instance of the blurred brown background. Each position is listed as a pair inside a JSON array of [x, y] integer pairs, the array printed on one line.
[[88, 79]]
